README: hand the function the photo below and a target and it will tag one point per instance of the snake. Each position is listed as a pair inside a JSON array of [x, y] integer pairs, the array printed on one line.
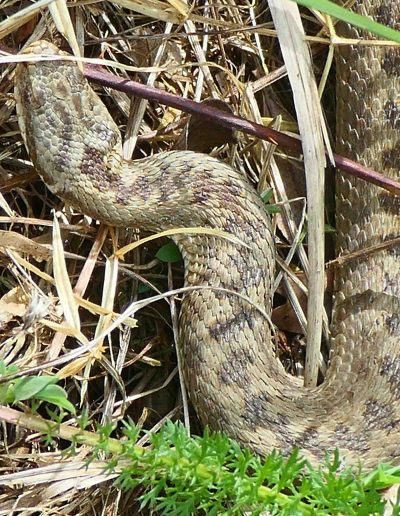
[[234, 379]]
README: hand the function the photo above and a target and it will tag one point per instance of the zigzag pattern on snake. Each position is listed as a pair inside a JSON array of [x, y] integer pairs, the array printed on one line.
[[234, 379]]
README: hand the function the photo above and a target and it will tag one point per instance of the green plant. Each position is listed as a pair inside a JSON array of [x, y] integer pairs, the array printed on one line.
[[211, 474], [34, 388]]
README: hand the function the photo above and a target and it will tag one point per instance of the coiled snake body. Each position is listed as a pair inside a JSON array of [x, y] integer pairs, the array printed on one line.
[[234, 379]]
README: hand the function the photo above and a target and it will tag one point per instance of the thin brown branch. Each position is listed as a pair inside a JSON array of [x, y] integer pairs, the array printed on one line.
[[341, 260], [234, 122]]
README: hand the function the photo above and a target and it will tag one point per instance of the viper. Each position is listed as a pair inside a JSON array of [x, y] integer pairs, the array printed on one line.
[[234, 379]]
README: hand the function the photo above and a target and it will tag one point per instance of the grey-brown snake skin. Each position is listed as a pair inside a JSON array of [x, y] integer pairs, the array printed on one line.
[[234, 379]]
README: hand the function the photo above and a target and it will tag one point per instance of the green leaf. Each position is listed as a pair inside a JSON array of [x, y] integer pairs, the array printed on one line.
[[143, 288], [4, 396], [169, 253], [272, 209], [3, 368], [329, 229], [28, 387], [6, 370], [355, 19], [267, 195], [56, 395]]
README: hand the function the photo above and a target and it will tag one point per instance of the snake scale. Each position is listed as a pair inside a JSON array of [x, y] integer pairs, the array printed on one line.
[[235, 381]]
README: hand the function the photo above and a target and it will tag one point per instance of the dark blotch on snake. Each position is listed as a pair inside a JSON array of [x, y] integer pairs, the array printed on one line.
[[256, 413], [390, 369], [231, 326], [233, 370]]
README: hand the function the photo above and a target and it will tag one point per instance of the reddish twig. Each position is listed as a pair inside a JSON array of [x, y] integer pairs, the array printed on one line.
[[232, 121]]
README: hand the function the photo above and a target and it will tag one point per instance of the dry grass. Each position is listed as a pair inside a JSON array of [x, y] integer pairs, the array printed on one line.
[[63, 287]]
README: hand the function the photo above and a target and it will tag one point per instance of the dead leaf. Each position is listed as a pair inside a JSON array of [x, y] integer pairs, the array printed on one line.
[[201, 134], [23, 245]]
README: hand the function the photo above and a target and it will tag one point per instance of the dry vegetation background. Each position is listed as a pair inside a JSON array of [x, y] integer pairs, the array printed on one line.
[[223, 50]]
